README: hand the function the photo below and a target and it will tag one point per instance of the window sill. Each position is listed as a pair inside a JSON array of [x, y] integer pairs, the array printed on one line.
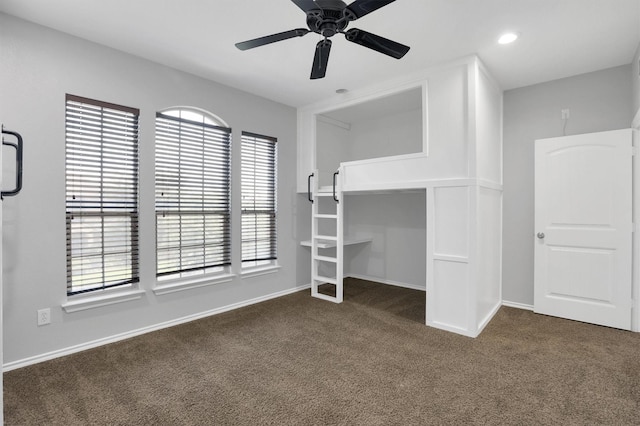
[[260, 270], [190, 283], [84, 303]]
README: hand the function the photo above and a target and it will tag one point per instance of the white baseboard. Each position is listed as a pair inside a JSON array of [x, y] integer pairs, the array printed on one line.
[[122, 336], [487, 319], [463, 331], [452, 329], [517, 305], [387, 282]]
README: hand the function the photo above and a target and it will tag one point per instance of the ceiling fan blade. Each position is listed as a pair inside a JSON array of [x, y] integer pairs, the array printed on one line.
[[359, 8], [377, 43], [306, 5], [261, 41], [321, 59]]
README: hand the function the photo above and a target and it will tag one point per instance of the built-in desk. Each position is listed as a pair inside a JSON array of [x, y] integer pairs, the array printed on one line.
[[331, 244]]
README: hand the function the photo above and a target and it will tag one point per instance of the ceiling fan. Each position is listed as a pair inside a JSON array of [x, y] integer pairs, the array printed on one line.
[[328, 18]]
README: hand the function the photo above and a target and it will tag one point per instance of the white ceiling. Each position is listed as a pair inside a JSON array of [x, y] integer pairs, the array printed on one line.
[[559, 38]]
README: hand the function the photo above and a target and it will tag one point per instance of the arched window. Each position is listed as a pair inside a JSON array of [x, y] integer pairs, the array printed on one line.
[[192, 193], [194, 114]]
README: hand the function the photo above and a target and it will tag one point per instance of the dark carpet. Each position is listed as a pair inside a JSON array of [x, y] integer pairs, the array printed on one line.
[[371, 360]]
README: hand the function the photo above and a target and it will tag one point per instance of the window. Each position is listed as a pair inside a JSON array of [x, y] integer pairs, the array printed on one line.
[[101, 142], [193, 174], [259, 183]]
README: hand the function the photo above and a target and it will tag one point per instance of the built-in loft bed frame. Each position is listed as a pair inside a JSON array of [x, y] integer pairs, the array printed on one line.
[[458, 165]]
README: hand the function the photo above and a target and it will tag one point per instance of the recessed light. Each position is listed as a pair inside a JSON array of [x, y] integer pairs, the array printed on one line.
[[507, 38], [341, 91]]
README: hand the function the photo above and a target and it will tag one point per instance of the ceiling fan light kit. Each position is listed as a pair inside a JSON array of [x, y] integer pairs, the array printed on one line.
[[328, 18]]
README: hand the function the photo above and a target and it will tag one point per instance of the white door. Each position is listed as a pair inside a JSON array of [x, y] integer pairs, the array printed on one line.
[[583, 226]]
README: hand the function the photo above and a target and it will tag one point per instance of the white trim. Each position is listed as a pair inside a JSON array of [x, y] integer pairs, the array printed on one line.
[[333, 122], [452, 329], [400, 157], [430, 261], [122, 336], [425, 118], [97, 301], [387, 282], [635, 276], [418, 184], [191, 283], [260, 270], [450, 258], [487, 184], [464, 331], [487, 319], [517, 305], [636, 120]]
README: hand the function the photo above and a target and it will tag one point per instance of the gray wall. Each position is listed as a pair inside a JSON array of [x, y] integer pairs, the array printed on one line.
[[635, 78], [333, 148], [597, 101], [396, 222], [397, 134], [39, 66]]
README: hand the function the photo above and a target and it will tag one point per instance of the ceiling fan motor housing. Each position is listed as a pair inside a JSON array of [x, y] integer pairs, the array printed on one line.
[[331, 17]]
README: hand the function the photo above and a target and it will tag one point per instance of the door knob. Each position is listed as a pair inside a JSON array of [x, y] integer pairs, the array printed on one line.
[[541, 235]]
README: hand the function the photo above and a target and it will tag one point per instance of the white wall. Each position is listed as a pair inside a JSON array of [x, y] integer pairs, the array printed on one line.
[[488, 118], [38, 67], [396, 223], [598, 101]]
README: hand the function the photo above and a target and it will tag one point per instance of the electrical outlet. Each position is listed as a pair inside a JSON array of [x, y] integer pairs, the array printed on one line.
[[565, 113], [44, 316]]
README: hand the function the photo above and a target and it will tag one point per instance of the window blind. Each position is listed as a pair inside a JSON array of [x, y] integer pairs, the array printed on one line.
[[259, 183], [101, 194], [193, 186]]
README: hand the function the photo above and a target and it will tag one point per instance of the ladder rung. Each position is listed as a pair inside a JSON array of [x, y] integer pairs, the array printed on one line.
[[325, 279], [326, 237], [324, 194], [326, 216], [326, 259]]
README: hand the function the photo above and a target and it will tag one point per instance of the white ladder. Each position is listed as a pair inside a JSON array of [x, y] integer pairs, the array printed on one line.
[[327, 243]]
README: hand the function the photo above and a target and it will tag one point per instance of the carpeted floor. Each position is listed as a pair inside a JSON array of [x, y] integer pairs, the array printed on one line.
[[371, 360]]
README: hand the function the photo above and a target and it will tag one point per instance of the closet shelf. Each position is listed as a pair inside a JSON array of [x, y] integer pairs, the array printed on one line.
[[331, 244]]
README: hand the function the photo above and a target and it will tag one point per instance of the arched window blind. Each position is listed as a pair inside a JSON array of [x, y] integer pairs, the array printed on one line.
[[259, 199], [193, 181], [101, 142]]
